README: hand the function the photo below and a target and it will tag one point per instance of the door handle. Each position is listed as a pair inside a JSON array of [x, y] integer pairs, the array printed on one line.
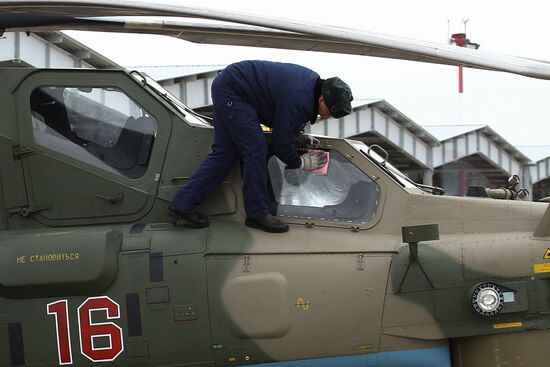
[[116, 199]]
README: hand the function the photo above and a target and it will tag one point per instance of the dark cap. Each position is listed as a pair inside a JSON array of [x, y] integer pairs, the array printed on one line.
[[337, 96]]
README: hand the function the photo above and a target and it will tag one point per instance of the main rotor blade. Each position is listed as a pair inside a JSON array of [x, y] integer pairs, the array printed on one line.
[[250, 30]]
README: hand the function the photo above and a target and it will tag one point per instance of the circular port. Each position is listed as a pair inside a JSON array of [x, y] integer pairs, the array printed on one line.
[[487, 299]]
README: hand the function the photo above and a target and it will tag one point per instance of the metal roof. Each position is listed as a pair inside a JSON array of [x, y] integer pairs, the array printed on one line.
[[364, 102], [405, 121], [447, 132], [444, 132], [60, 42], [162, 73], [78, 50]]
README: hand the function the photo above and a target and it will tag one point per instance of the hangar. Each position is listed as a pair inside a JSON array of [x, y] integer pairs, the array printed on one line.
[[49, 50], [539, 170], [451, 156], [475, 155]]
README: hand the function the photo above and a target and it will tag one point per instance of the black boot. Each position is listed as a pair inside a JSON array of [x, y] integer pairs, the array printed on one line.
[[267, 223], [193, 219]]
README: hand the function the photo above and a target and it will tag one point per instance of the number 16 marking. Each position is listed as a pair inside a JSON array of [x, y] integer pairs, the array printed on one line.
[[88, 330]]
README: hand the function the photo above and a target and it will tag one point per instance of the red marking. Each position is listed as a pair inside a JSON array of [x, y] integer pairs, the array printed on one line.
[[59, 310], [460, 80], [89, 330], [460, 39]]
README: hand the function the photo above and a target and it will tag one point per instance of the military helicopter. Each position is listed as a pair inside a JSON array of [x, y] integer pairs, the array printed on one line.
[[375, 271]]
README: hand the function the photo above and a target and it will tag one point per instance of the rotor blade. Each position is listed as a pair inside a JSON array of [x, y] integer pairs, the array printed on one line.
[[294, 35], [224, 34]]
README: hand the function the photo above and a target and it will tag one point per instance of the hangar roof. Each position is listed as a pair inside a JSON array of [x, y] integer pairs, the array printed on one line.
[[444, 132], [399, 117], [447, 132], [67, 50], [80, 50]]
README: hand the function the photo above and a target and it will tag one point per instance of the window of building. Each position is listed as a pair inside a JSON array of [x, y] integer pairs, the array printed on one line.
[[100, 126], [343, 194]]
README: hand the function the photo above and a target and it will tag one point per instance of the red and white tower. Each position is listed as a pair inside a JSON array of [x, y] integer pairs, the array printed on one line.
[[461, 40]]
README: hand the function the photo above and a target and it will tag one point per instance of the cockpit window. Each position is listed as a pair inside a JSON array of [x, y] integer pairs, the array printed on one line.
[[343, 194], [100, 126]]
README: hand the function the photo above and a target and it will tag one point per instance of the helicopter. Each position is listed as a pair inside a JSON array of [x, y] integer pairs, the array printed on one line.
[[376, 269]]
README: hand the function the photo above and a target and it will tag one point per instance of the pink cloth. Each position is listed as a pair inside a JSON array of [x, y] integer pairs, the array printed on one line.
[[323, 170]]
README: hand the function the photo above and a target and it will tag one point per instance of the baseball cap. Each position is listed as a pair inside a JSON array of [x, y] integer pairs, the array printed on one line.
[[337, 96]]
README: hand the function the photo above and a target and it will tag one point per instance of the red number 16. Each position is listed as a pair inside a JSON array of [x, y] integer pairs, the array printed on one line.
[[88, 330]]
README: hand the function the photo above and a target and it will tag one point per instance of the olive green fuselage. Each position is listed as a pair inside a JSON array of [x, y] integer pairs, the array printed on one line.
[[85, 226]]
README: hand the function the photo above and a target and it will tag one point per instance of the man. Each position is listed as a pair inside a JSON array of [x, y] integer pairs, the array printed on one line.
[[282, 96]]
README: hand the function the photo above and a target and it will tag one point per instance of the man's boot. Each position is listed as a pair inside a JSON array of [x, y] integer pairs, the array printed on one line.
[[267, 224]]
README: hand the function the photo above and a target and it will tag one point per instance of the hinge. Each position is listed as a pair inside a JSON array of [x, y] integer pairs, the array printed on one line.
[[20, 151], [25, 212], [354, 228], [246, 264]]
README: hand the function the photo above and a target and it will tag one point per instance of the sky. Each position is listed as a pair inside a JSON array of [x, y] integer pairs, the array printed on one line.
[[516, 107]]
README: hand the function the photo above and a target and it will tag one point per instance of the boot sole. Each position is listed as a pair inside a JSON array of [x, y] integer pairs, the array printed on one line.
[[179, 218], [265, 229]]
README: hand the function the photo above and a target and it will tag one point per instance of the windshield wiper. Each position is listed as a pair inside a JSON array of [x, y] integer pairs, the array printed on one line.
[[427, 188]]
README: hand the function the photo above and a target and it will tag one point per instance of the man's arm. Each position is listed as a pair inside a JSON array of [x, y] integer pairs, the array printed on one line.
[[285, 130]]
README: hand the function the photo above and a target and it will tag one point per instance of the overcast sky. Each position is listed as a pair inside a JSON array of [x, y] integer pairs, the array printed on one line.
[[518, 108]]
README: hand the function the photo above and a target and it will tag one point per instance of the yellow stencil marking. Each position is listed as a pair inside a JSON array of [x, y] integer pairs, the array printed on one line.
[[300, 303], [48, 258], [508, 325], [362, 347], [542, 268], [547, 254]]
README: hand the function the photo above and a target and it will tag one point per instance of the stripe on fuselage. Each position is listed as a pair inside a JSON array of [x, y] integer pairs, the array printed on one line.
[[432, 357]]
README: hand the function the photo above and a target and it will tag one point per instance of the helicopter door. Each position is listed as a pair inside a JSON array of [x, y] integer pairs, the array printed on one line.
[[316, 291], [90, 151]]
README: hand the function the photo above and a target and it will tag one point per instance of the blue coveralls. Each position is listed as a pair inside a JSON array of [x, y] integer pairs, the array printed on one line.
[[245, 94]]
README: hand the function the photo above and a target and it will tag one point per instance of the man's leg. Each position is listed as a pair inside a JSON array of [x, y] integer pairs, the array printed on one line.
[[213, 169], [210, 173], [246, 133], [250, 141]]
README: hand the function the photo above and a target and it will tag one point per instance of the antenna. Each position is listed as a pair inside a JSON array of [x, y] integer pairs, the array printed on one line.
[[465, 22]]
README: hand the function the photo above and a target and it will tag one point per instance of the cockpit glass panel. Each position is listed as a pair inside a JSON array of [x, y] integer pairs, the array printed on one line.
[[101, 126], [343, 194]]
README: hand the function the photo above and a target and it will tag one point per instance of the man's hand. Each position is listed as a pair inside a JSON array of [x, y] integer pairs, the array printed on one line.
[[313, 161], [307, 140]]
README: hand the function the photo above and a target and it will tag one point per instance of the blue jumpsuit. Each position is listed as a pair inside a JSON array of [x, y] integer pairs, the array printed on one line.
[[245, 94]]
